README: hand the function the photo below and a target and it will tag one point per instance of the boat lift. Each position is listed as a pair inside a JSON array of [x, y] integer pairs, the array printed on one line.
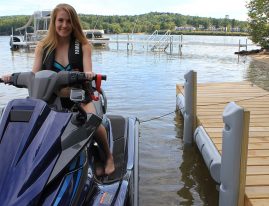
[[26, 39]]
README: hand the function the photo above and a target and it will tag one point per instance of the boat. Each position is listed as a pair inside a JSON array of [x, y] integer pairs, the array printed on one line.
[[37, 25], [48, 153], [96, 38]]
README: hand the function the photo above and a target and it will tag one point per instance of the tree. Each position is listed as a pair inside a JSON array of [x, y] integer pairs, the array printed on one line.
[[137, 23], [115, 28], [258, 12]]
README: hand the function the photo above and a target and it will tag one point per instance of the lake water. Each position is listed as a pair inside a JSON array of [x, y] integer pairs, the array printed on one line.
[[142, 83]]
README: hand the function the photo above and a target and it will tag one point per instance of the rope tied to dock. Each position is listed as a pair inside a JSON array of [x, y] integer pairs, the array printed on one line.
[[159, 117], [204, 105]]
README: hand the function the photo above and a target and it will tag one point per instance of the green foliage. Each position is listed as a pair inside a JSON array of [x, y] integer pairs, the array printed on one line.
[[146, 23], [258, 12], [9, 22], [156, 21]]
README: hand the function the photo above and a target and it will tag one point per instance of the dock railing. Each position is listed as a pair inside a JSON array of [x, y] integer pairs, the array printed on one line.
[[229, 168], [242, 45], [163, 43], [151, 38]]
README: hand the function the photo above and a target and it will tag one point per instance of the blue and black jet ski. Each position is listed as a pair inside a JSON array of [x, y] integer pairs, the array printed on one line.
[[48, 153]]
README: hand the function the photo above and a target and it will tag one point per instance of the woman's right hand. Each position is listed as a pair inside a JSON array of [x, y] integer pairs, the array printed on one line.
[[6, 78]]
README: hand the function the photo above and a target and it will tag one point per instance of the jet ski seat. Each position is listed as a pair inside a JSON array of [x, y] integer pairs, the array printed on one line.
[[119, 134], [118, 138]]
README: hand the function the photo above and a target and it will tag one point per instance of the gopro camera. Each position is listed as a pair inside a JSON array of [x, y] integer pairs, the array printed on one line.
[[77, 95]]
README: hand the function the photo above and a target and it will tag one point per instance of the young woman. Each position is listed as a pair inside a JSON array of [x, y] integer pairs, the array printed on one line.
[[66, 48]]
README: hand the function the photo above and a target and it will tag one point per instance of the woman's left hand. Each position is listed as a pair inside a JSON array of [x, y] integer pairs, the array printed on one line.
[[89, 75]]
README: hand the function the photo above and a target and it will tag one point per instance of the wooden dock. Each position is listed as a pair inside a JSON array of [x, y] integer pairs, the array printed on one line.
[[211, 100]]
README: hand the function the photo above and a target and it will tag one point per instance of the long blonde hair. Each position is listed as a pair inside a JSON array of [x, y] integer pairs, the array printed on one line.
[[50, 42]]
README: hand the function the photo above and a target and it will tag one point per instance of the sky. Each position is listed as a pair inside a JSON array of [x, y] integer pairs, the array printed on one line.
[[236, 9]]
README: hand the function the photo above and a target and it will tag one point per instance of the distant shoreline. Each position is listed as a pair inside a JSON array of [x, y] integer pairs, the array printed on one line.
[[201, 33], [208, 33]]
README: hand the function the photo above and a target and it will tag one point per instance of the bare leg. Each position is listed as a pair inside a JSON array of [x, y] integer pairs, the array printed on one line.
[[102, 140]]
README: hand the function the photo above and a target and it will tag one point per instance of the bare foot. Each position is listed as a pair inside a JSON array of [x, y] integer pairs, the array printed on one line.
[[110, 167]]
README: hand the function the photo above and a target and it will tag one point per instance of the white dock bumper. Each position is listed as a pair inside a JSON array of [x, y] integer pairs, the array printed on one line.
[[209, 152], [180, 103]]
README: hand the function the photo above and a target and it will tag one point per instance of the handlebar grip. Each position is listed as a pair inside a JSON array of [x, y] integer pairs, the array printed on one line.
[[103, 77], [76, 77], [13, 80], [79, 77]]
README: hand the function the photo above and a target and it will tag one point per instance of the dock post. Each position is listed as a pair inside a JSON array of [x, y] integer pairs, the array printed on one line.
[[171, 45], [180, 45], [11, 40], [190, 94], [117, 41], [128, 37], [239, 48], [234, 155]]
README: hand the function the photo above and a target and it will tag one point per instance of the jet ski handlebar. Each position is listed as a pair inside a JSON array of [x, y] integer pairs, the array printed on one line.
[[63, 78], [43, 84]]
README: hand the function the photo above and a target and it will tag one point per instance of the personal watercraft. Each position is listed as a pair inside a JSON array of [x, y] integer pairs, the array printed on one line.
[[48, 153]]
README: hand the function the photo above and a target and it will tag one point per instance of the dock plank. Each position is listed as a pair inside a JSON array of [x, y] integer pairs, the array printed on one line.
[[211, 101]]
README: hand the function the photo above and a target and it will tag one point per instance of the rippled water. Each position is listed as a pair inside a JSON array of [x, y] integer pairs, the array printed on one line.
[[142, 84]]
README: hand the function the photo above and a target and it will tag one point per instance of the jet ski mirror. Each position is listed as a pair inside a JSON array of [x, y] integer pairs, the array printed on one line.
[[77, 95]]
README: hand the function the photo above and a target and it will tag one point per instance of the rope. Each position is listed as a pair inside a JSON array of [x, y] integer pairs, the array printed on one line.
[[169, 113], [158, 117]]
